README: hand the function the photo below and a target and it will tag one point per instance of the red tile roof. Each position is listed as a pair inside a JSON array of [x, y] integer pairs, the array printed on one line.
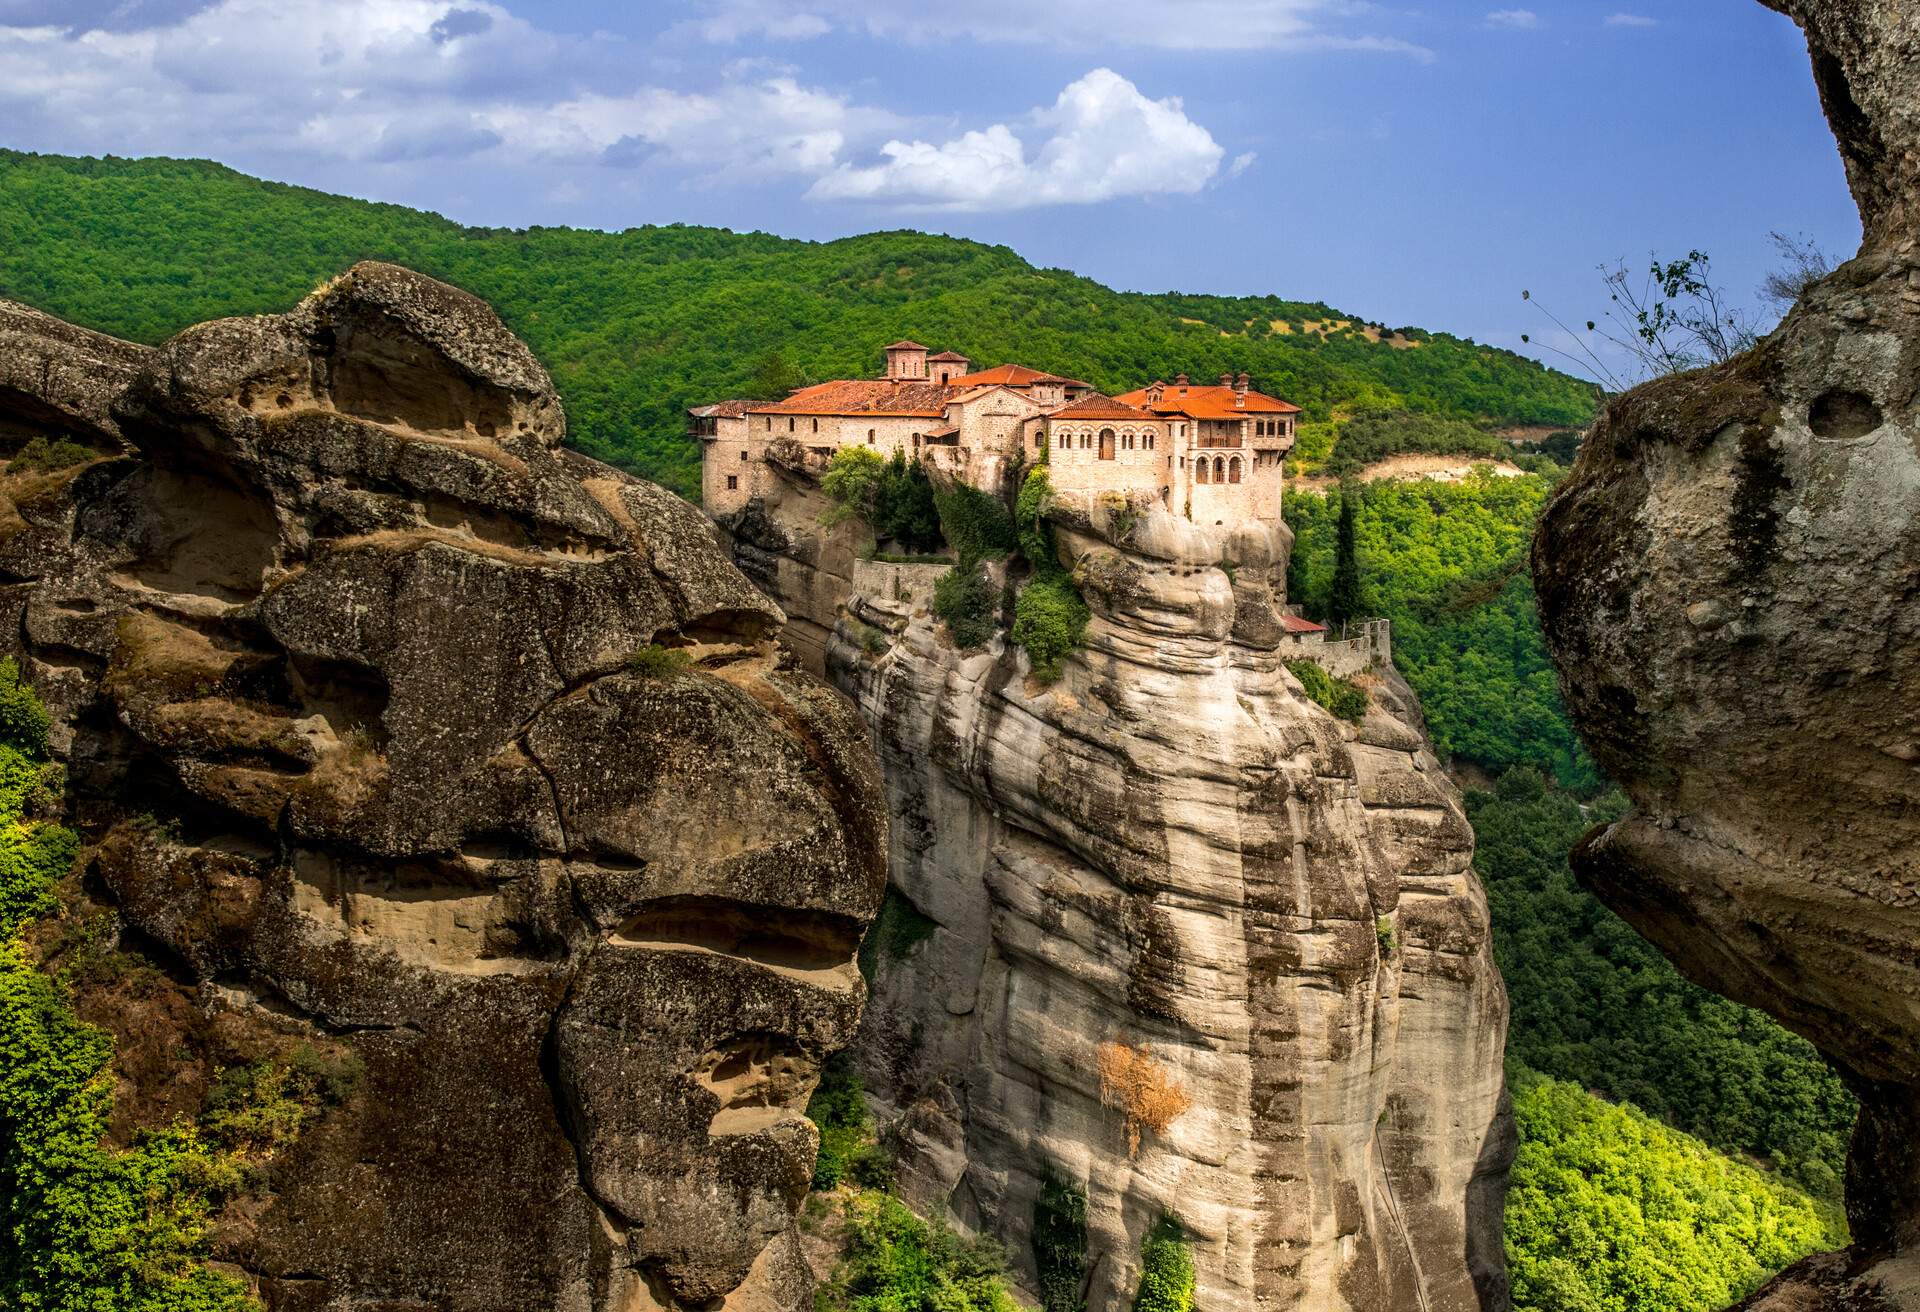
[[903, 346], [1196, 401], [949, 355], [1097, 406], [863, 396], [722, 409], [1294, 624], [1013, 375]]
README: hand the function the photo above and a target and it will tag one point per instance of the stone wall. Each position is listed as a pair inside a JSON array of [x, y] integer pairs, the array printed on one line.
[[910, 586], [1367, 648]]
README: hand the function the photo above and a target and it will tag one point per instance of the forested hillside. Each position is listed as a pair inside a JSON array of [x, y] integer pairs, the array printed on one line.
[[637, 325]]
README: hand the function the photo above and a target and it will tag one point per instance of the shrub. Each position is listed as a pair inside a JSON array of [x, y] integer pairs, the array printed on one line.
[[848, 1153], [965, 600], [898, 1263], [1144, 1092], [656, 662], [1384, 934], [977, 526], [1341, 697], [42, 457], [24, 722], [1030, 521], [254, 1111], [1060, 1244], [1049, 621], [903, 506], [852, 478], [1166, 1270]]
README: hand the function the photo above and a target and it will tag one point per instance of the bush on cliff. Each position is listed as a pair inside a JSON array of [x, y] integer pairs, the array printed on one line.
[[1342, 697], [896, 1262], [847, 1153], [1050, 617], [1060, 1244], [1166, 1270]]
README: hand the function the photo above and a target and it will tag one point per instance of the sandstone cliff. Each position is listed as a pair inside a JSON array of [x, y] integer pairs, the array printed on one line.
[[1174, 850], [337, 640], [1729, 584]]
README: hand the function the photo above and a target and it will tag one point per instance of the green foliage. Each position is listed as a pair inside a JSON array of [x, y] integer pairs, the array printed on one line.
[[43, 457], [848, 1153], [903, 507], [1060, 1244], [1166, 1270], [898, 1263], [1346, 599], [1050, 616], [83, 1227], [1383, 934], [1594, 1003], [851, 481], [636, 326], [1034, 535], [23, 720], [258, 1109], [966, 601], [1446, 562], [1342, 697], [897, 930], [656, 662], [1049, 620], [1610, 1211], [975, 523]]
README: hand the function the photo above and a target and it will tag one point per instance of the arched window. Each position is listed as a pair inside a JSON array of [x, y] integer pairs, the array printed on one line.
[[1106, 444], [869, 437], [1233, 470], [1219, 469], [1200, 468], [1065, 439], [816, 425]]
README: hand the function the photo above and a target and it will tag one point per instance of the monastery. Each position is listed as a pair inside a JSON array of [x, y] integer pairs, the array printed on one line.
[[1211, 452]]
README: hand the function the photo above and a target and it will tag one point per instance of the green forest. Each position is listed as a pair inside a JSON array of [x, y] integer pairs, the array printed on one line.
[[638, 325]]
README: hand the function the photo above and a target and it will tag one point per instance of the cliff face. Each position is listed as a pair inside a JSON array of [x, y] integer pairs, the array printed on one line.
[[337, 640], [1173, 850], [1729, 583]]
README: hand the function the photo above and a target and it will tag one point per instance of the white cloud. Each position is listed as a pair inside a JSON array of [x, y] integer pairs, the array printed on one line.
[[1101, 140], [1631, 20], [1241, 163], [397, 80], [1519, 20], [1193, 25]]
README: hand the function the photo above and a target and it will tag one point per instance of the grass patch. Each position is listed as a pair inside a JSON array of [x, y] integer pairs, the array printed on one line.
[[656, 662], [1342, 697]]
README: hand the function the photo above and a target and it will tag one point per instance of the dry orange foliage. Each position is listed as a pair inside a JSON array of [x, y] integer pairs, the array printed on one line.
[[1143, 1091]]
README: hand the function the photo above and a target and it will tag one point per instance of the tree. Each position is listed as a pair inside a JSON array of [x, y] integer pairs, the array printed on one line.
[[1347, 601], [1803, 264]]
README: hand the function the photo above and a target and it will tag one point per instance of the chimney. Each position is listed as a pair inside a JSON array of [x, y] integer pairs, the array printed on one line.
[[1179, 380], [1240, 383], [1226, 380], [1155, 392]]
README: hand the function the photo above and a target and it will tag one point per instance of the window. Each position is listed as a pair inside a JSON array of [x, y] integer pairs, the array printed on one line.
[[789, 425], [1065, 439], [1233, 470], [743, 457], [869, 437], [816, 425], [769, 423], [733, 482], [1219, 469], [1200, 468]]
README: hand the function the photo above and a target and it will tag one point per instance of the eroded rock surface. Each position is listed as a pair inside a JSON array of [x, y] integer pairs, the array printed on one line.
[[337, 641], [1730, 583], [1174, 850]]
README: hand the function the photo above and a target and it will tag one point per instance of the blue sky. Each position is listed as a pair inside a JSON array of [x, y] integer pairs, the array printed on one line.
[[1412, 163]]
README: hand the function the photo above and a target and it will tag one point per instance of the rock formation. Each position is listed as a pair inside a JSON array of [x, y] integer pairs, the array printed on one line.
[[338, 642], [1729, 584], [1175, 852]]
